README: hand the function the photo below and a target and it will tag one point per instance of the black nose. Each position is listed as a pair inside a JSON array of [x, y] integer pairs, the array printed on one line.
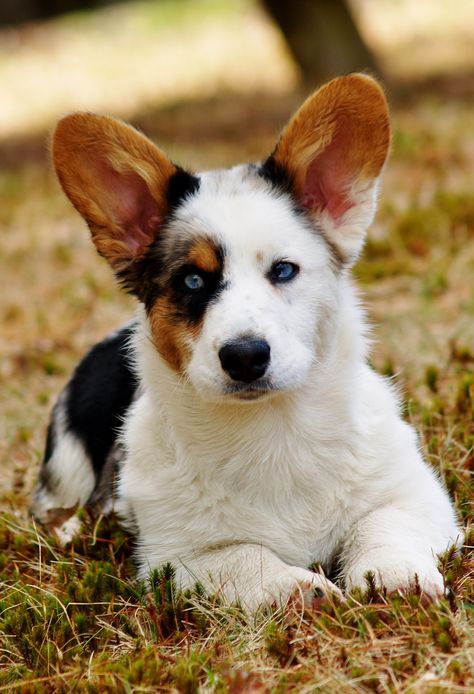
[[245, 359]]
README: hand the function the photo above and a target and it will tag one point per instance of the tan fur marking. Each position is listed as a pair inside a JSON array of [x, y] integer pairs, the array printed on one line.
[[116, 178], [203, 255], [352, 109], [171, 337]]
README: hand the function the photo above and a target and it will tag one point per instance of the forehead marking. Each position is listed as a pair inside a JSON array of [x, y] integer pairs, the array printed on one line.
[[204, 255]]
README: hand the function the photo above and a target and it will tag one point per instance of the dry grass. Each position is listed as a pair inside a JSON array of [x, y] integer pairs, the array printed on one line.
[[75, 620]]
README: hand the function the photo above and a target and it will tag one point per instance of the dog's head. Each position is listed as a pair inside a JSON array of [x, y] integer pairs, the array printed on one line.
[[237, 269]]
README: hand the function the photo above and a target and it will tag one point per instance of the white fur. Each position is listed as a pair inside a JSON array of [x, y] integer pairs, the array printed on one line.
[[244, 496]]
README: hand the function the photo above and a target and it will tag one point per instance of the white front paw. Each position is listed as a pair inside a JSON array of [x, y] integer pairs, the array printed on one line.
[[397, 574], [301, 586]]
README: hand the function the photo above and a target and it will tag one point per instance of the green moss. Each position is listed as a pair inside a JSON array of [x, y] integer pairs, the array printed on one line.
[[431, 378], [190, 672], [278, 643], [379, 269]]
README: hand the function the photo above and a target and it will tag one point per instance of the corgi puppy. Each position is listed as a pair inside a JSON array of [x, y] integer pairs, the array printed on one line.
[[248, 437]]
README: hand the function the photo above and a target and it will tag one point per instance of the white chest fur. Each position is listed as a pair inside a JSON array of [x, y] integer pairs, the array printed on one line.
[[292, 473], [244, 497]]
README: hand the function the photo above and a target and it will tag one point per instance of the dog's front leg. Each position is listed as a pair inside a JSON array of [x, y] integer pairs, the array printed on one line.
[[400, 547], [252, 575]]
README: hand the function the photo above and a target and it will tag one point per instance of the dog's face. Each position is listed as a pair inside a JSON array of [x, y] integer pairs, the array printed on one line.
[[237, 269], [247, 293]]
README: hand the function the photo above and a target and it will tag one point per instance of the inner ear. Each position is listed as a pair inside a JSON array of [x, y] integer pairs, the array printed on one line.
[[131, 209], [117, 179], [328, 178], [332, 152]]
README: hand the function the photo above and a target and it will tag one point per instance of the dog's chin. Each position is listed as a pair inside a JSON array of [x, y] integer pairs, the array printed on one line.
[[249, 395], [240, 392], [249, 392]]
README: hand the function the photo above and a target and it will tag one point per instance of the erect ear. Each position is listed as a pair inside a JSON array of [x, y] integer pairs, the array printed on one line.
[[332, 151], [117, 179]]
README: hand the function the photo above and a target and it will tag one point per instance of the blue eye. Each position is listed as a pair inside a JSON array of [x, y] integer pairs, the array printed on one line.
[[194, 282], [283, 271]]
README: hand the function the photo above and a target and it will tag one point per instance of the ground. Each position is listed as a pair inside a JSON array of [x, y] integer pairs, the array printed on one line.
[[74, 619]]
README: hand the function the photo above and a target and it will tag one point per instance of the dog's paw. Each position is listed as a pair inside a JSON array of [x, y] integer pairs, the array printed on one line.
[[301, 588], [63, 524], [66, 532], [399, 576]]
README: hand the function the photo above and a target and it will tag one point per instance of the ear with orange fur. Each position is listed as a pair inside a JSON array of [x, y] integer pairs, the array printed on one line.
[[117, 179], [333, 150]]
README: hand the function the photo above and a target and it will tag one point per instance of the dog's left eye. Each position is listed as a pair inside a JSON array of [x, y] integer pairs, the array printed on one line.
[[283, 271], [194, 282]]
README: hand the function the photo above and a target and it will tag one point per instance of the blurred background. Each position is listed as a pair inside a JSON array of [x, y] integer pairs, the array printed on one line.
[[213, 81], [144, 59]]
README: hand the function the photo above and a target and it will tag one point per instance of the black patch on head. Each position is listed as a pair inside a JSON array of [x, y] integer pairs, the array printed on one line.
[[163, 269], [181, 186], [276, 174], [99, 394], [191, 305], [282, 181]]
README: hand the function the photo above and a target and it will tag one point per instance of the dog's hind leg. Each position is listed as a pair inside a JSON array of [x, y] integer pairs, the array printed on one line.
[[81, 448], [66, 479]]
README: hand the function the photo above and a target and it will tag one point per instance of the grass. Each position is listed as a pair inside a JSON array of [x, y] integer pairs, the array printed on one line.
[[75, 619]]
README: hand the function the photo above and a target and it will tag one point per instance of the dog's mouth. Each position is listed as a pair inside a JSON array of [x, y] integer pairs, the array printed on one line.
[[250, 391]]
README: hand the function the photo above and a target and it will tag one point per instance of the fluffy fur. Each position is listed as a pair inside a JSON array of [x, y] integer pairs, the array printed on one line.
[[243, 476]]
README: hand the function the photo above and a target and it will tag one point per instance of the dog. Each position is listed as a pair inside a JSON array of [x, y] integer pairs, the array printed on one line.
[[248, 435]]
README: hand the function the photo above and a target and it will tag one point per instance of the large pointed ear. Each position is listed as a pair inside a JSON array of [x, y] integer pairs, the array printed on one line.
[[332, 152], [117, 179]]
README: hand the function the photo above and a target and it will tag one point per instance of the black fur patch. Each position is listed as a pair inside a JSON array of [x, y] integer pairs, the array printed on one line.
[[163, 269], [99, 394], [50, 439], [277, 176], [191, 305], [181, 186]]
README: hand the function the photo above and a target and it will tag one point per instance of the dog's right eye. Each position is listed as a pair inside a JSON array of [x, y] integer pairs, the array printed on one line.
[[194, 282]]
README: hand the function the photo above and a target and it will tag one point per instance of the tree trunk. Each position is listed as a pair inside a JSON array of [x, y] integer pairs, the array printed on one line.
[[18, 11], [322, 36]]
